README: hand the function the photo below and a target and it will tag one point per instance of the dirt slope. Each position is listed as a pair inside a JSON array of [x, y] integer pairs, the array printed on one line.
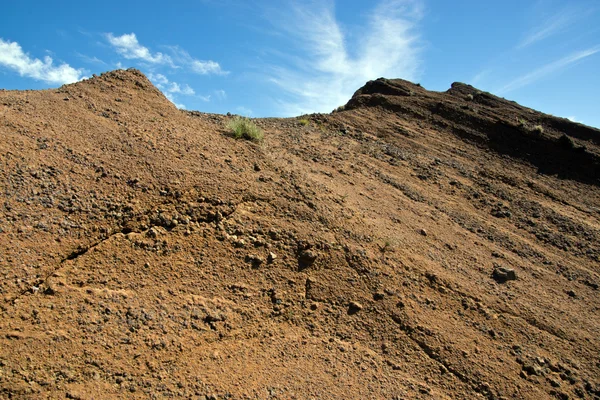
[[145, 253]]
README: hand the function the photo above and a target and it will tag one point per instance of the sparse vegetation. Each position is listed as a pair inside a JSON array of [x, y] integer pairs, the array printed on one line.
[[304, 122], [244, 128], [538, 129], [339, 109], [566, 142], [388, 246], [470, 97]]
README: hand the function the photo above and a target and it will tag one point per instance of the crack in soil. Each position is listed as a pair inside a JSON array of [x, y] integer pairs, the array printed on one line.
[[81, 251]]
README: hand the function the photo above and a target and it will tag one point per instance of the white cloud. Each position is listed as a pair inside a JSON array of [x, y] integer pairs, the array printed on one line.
[[163, 83], [206, 67], [246, 112], [332, 67], [220, 94], [185, 90], [574, 119], [548, 69], [13, 57], [171, 90], [172, 100], [158, 79], [202, 67], [128, 46], [551, 26]]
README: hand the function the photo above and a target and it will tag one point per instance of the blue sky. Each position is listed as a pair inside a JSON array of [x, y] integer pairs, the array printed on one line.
[[284, 58]]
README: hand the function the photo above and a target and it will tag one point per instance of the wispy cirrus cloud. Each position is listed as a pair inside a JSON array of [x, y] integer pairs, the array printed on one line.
[[220, 94], [245, 111], [548, 69], [552, 25], [90, 59], [14, 58], [333, 65]]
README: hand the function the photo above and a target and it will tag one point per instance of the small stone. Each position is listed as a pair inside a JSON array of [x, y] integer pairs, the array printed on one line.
[[275, 234], [306, 258], [259, 242], [255, 260], [540, 360], [554, 382], [239, 243], [532, 369], [572, 293], [50, 289], [503, 274], [523, 375], [354, 307], [271, 257], [423, 232], [378, 296]]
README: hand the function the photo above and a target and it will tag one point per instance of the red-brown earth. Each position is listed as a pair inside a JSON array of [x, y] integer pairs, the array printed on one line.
[[415, 244]]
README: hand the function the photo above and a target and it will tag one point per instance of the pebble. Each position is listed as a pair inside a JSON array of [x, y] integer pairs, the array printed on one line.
[[378, 296], [354, 307], [423, 232], [503, 274], [255, 260], [307, 258]]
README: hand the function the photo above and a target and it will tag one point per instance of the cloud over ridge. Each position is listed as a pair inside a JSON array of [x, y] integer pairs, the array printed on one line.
[[13, 57], [332, 65]]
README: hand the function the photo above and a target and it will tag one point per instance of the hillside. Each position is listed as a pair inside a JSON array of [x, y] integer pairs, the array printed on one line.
[[414, 245]]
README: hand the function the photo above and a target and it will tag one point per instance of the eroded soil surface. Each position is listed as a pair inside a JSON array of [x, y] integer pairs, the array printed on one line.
[[417, 245]]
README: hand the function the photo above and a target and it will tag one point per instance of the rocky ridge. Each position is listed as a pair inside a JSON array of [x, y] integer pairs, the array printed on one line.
[[415, 244]]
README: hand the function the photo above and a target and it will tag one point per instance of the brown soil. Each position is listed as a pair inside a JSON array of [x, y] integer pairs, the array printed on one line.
[[136, 241]]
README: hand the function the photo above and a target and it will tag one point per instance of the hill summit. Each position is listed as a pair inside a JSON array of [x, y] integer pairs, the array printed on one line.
[[411, 244]]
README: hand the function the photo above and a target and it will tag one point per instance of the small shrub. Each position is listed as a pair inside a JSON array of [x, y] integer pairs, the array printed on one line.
[[389, 245], [538, 129], [470, 97], [340, 108], [566, 142], [244, 128], [304, 122]]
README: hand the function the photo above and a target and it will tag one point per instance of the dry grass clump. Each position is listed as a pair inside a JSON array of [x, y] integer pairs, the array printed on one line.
[[244, 128]]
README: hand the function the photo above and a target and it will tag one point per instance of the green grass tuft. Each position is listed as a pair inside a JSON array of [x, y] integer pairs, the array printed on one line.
[[304, 121], [244, 128]]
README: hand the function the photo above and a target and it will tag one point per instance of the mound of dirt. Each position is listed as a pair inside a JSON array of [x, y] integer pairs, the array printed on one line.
[[414, 245]]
